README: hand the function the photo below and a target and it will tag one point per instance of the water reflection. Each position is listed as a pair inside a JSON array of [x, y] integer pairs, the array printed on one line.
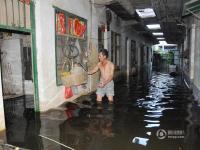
[[154, 102], [22, 125], [90, 130]]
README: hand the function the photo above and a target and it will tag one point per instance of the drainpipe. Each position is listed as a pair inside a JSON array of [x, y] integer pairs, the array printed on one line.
[[91, 11], [106, 38], [128, 58], [192, 52], [90, 41]]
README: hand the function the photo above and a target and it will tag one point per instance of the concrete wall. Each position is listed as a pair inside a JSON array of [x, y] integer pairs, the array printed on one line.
[[196, 56], [12, 66], [51, 95], [194, 60]]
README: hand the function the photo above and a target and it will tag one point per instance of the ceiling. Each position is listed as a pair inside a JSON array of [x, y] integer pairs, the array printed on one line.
[[168, 15]]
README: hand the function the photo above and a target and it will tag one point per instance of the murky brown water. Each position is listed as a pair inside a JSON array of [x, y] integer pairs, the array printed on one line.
[[149, 113]]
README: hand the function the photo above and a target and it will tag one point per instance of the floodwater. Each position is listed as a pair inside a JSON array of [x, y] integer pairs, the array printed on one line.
[[151, 112]]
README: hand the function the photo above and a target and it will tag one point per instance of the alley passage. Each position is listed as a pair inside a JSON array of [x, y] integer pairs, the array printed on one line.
[[151, 112]]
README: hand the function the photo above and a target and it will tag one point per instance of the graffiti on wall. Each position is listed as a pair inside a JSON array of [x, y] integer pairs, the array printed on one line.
[[71, 42], [7, 71]]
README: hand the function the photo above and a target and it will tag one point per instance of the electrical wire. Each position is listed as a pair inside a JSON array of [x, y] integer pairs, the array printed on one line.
[[56, 142]]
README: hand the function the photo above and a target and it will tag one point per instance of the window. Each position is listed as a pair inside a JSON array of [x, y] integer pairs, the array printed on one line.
[[27, 63], [115, 48], [100, 38], [133, 53]]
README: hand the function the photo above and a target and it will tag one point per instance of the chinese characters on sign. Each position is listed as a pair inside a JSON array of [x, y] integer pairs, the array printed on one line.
[[70, 25], [61, 23], [26, 1]]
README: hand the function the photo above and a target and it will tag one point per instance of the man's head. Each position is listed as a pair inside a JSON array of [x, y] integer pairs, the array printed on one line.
[[103, 54]]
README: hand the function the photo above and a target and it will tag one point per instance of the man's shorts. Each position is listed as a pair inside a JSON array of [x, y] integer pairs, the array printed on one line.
[[107, 90]]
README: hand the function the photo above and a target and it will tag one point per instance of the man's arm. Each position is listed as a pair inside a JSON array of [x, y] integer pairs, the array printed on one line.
[[94, 70]]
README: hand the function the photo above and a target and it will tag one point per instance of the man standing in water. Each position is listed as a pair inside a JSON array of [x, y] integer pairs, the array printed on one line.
[[106, 84]]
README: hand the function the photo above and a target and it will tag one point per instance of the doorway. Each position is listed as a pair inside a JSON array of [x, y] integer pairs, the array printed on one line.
[[127, 56], [16, 67], [116, 49], [133, 57], [142, 55]]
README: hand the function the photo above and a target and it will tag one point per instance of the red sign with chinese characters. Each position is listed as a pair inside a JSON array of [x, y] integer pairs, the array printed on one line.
[[79, 27], [61, 23], [71, 25], [26, 1], [76, 27]]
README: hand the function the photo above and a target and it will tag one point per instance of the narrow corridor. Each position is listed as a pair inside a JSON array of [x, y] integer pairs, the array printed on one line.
[[47, 98], [151, 111]]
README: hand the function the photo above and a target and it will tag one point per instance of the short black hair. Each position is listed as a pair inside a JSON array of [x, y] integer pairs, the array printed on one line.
[[104, 52]]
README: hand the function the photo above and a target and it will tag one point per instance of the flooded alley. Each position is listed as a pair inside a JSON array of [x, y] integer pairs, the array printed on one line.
[[150, 112], [59, 56]]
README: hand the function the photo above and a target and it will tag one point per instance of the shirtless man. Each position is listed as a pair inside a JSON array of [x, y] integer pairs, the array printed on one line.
[[106, 84]]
